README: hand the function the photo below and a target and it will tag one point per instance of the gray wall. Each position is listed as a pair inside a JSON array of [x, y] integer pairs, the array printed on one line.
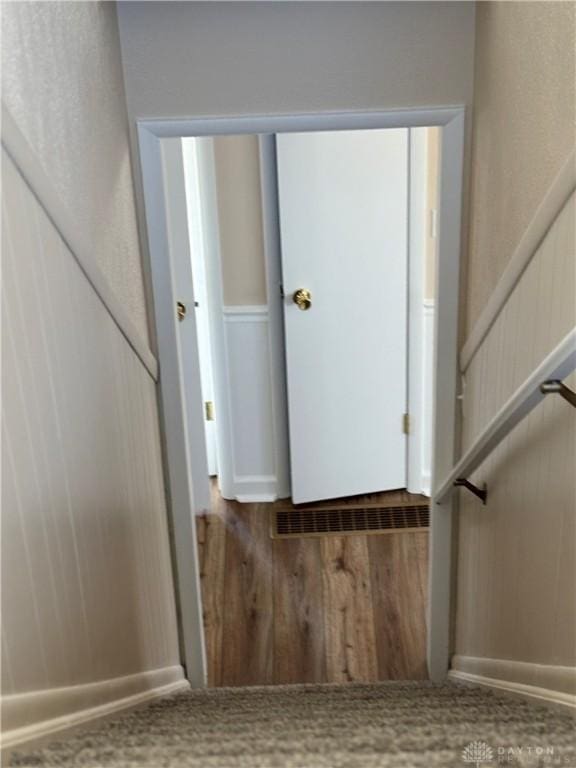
[[190, 59]]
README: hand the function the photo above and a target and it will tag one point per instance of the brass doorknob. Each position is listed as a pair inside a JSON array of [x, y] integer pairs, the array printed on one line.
[[302, 298]]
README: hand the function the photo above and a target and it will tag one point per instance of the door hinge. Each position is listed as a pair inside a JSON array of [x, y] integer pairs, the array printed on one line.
[[209, 410], [406, 423]]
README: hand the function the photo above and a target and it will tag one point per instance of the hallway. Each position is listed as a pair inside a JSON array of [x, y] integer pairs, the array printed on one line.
[[320, 609]]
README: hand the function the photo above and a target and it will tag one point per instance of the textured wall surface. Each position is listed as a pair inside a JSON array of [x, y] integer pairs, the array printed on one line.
[[240, 220], [517, 555], [62, 81], [523, 128], [87, 591]]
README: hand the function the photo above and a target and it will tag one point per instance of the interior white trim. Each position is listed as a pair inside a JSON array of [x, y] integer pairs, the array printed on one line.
[[36, 714], [258, 310], [187, 329], [546, 213], [174, 423], [451, 118], [444, 420], [541, 682], [313, 121], [43, 190], [417, 174], [256, 489], [425, 444], [274, 295]]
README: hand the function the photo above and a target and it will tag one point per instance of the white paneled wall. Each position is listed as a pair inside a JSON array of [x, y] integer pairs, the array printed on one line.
[[249, 389], [87, 591], [517, 555]]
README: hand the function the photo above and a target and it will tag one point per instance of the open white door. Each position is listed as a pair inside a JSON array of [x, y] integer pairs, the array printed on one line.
[[181, 272], [343, 218], [201, 312]]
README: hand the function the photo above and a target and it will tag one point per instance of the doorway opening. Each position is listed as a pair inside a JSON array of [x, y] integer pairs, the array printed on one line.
[[349, 218], [307, 413], [339, 403]]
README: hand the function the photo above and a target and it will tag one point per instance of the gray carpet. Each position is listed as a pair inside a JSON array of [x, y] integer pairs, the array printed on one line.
[[312, 726]]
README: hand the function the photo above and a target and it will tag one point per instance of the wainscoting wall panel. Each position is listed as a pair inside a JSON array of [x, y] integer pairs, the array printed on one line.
[[517, 555], [87, 589], [250, 393]]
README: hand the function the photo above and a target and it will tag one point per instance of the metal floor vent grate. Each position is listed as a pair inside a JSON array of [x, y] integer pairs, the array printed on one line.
[[287, 523]]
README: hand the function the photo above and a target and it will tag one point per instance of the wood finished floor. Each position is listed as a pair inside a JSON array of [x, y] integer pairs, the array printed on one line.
[[325, 609]]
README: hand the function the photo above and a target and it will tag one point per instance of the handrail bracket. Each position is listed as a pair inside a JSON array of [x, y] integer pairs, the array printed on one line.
[[555, 386], [481, 493]]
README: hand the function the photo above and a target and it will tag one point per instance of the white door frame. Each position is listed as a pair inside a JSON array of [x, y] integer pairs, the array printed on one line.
[[197, 257], [172, 387], [415, 325]]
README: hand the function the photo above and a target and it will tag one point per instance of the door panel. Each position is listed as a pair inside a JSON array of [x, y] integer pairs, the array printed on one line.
[[343, 218], [198, 260]]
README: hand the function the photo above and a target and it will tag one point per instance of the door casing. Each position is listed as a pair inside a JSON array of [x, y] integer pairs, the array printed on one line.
[[172, 389]]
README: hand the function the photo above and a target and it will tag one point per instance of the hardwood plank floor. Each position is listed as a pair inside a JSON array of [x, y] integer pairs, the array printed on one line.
[[247, 639], [299, 631], [211, 536], [348, 613], [398, 564], [325, 609]]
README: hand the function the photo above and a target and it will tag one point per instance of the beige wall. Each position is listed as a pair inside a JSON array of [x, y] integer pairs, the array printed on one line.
[[516, 566], [523, 128], [433, 139], [62, 82], [237, 170], [87, 590]]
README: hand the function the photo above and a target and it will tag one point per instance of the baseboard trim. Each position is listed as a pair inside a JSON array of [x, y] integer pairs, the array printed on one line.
[[256, 498], [543, 683], [28, 717], [255, 489]]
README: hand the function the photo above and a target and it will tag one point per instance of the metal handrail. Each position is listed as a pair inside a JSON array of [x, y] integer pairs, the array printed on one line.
[[544, 380]]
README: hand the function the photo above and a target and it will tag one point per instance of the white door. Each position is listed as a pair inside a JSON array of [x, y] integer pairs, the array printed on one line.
[[198, 260], [343, 219], [179, 249]]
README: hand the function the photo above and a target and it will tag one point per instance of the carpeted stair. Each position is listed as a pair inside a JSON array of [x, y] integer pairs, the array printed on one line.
[[408, 725]]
